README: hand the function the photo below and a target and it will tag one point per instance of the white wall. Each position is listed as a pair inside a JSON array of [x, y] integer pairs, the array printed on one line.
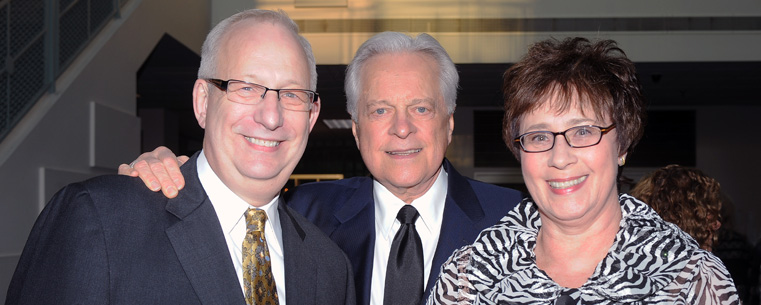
[[338, 48], [88, 126]]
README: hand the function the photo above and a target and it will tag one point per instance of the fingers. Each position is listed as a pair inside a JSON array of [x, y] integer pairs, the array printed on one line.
[[182, 159], [146, 172], [152, 169], [127, 170], [175, 173], [165, 181], [173, 181], [159, 169]]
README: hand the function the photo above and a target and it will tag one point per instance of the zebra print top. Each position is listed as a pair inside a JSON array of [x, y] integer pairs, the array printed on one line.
[[650, 262]]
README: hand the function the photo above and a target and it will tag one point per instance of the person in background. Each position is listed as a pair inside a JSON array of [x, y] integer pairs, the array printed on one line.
[[685, 197], [401, 93], [736, 252], [573, 111], [228, 238]]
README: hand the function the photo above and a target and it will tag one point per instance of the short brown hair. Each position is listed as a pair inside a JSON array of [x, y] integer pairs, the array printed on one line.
[[599, 74], [686, 197]]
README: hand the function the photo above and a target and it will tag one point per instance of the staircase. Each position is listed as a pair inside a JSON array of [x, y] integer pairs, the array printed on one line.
[[68, 96]]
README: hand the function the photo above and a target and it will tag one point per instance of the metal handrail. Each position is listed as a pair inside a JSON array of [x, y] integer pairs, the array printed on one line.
[[38, 40]]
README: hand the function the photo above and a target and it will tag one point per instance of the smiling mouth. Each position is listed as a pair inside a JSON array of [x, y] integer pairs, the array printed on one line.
[[566, 184], [404, 152], [261, 142]]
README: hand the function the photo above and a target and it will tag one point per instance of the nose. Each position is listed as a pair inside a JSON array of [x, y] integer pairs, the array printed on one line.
[[402, 126], [561, 154], [269, 113]]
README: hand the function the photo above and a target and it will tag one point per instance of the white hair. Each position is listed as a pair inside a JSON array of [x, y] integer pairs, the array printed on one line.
[[212, 44], [395, 42]]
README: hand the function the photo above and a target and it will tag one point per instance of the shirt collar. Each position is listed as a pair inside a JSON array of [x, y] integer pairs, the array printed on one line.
[[430, 206], [229, 207]]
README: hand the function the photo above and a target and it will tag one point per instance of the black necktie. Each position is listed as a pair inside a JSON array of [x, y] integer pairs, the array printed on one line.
[[404, 274]]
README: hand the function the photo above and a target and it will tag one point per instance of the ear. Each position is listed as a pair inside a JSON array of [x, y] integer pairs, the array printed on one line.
[[314, 113], [200, 101], [354, 132], [451, 128]]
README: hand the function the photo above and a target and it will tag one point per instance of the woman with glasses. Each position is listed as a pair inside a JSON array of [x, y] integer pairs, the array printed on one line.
[[573, 110]]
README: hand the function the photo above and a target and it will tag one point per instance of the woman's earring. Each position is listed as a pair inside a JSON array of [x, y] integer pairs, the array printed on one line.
[[621, 161]]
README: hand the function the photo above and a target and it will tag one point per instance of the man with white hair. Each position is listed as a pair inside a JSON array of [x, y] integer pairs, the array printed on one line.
[[401, 94], [228, 238]]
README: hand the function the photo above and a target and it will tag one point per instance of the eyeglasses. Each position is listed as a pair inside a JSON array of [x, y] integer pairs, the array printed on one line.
[[251, 94], [577, 137]]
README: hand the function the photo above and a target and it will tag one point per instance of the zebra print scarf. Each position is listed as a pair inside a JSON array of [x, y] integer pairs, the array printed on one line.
[[650, 262]]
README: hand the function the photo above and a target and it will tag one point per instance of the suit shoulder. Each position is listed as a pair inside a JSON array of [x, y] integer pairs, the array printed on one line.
[[115, 184], [333, 185], [496, 198], [110, 194], [495, 190], [103, 184], [324, 193]]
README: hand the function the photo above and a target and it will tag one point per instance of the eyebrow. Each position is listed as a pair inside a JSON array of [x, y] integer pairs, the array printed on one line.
[[423, 100], [572, 123], [256, 80], [416, 101], [372, 103]]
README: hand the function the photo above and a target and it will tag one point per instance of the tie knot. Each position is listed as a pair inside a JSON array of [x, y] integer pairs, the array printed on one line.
[[255, 219], [407, 214]]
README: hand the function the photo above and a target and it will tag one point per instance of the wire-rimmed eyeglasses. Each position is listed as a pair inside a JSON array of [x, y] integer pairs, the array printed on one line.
[[251, 94], [577, 137]]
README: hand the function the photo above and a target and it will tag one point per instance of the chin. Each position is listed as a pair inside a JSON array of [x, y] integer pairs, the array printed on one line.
[[407, 177], [262, 171]]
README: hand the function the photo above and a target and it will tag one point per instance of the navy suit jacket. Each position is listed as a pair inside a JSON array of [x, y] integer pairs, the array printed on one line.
[[344, 210], [110, 240]]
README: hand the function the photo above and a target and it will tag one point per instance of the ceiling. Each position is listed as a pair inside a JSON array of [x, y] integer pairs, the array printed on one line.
[[166, 79]]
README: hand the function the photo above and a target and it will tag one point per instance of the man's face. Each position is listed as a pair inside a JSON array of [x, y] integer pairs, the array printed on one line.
[[402, 128], [254, 148]]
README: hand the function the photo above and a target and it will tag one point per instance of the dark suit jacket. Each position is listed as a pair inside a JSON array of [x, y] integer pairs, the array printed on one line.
[[344, 210], [110, 240]]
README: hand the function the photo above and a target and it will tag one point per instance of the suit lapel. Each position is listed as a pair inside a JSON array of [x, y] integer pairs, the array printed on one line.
[[356, 236], [199, 243], [462, 212], [300, 266]]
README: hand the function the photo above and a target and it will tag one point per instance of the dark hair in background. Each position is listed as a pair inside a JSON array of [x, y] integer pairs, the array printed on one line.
[[686, 197]]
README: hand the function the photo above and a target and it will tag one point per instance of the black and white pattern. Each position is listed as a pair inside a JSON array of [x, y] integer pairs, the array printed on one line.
[[651, 262]]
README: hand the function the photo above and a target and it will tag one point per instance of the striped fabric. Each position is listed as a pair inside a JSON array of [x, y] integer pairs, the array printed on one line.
[[651, 262]]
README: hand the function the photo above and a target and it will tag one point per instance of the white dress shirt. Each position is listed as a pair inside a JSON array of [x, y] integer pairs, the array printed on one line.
[[231, 211], [430, 206]]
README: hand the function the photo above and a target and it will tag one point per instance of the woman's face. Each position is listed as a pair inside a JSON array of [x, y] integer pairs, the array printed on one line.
[[570, 185]]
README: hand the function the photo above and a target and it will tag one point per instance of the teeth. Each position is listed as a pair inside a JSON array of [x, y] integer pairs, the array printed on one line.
[[263, 142], [567, 184], [404, 153]]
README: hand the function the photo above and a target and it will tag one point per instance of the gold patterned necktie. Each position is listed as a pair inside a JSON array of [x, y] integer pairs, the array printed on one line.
[[257, 271]]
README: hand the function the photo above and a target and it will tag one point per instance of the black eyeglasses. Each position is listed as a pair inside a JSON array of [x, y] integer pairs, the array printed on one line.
[[251, 94], [577, 137]]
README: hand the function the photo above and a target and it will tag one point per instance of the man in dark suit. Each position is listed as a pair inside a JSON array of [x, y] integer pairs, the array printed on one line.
[[345, 211], [401, 94], [228, 238]]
